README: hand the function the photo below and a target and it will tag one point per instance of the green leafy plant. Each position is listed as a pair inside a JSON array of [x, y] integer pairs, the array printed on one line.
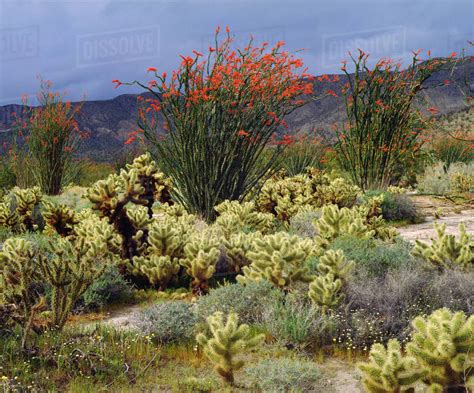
[[227, 339]]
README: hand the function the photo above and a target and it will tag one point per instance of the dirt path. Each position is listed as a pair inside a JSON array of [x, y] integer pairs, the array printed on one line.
[[425, 231]]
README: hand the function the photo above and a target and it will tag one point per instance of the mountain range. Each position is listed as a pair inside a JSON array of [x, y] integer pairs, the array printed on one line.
[[108, 122]]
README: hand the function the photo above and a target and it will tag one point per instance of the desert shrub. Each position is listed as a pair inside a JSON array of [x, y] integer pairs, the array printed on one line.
[[302, 224], [167, 322], [396, 207], [7, 175], [374, 257], [213, 146], [379, 308], [450, 150], [296, 323], [248, 301], [109, 288], [303, 153], [284, 375], [92, 172], [452, 289], [5, 233], [436, 181]]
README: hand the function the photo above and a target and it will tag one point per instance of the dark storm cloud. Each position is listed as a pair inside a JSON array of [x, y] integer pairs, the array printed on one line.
[[82, 45]]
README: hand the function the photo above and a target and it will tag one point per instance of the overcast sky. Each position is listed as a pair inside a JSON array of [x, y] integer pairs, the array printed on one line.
[[82, 45]]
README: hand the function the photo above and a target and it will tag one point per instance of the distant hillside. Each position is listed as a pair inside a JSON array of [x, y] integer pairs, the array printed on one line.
[[109, 121]]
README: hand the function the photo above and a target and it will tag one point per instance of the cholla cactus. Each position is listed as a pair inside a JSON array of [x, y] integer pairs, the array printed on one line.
[[228, 339], [284, 197], [160, 261], [9, 218], [462, 183], [389, 371], [202, 254], [156, 187], [160, 270], [26, 201], [17, 210], [325, 292], [18, 274], [237, 247], [335, 222], [447, 251], [59, 219], [396, 190], [235, 216], [278, 258], [70, 268], [140, 185], [443, 343]]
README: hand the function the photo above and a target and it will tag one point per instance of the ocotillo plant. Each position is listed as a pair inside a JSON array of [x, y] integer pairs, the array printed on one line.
[[50, 134], [219, 112], [384, 132], [228, 339]]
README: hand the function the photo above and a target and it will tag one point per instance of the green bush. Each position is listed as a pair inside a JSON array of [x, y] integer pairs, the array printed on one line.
[[248, 301], [109, 288], [284, 375], [374, 257], [168, 322], [396, 207]]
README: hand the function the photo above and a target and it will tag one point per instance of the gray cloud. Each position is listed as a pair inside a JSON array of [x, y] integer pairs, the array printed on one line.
[[82, 45]]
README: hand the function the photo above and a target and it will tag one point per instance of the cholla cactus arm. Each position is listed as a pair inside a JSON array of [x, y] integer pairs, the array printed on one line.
[[447, 251], [9, 218], [227, 341], [388, 371], [59, 219], [443, 343], [325, 292], [237, 248], [335, 263], [201, 268]]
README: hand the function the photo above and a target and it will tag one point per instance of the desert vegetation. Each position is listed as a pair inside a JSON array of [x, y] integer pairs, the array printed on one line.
[[240, 256]]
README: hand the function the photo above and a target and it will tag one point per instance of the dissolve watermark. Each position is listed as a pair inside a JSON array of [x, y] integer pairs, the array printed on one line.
[[117, 46], [19, 43], [389, 41]]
